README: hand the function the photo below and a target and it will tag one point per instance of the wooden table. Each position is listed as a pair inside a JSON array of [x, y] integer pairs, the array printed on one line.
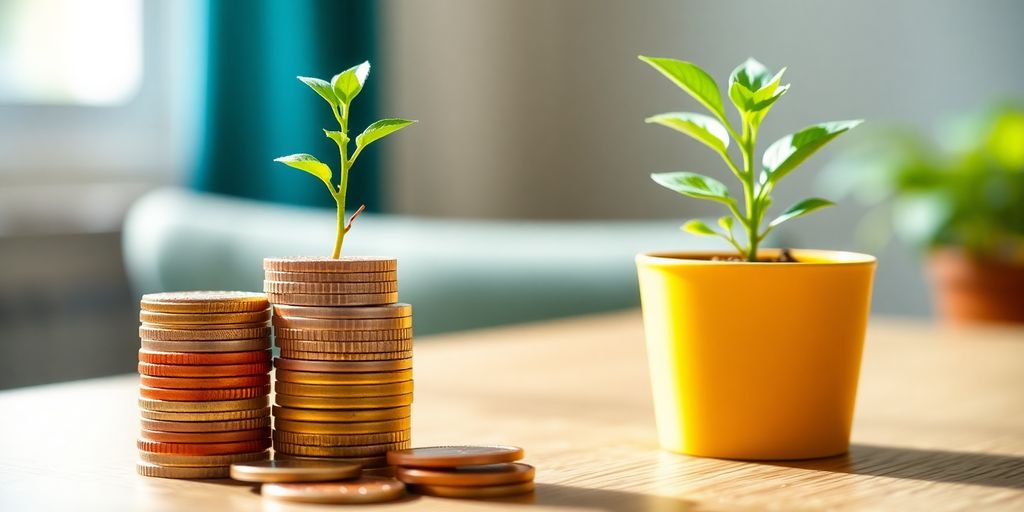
[[939, 426]]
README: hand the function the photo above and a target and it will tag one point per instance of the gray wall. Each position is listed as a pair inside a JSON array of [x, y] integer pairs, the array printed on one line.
[[534, 108]]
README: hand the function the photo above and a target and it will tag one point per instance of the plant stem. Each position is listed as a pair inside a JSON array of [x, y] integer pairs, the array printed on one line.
[[339, 198], [749, 184]]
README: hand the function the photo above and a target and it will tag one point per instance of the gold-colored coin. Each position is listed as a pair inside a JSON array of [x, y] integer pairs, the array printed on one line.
[[244, 404], [344, 390], [397, 310], [204, 302], [376, 450], [205, 426], [478, 493], [147, 469], [346, 356], [348, 299], [341, 439], [186, 319], [344, 346], [312, 402], [205, 327], [365, 462], [203, 370], [323, 427], [342, 378], [175, 334], [207, 346], [206, 416], [341, 265], [200, 461], [291, 413], [277, 471], [324, 288], [367, 324], [342, 366], [332, 335], [331, 277]]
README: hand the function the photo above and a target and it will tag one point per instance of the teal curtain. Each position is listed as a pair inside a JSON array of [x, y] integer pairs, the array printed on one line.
[[255, 109]]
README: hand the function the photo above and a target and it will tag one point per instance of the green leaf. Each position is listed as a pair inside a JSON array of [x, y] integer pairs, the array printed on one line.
[[787, 153], [308, 163], [380, 129], [694, 185], [692, 79], [726, 223], [699, 126], [752, 75], [759, 99], [338, 137], [348, 83], [322, 87], [742, 97], [698, 228], [800, 209]]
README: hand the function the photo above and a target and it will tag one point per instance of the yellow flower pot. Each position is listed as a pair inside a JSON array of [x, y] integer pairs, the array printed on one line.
[[755, 360]]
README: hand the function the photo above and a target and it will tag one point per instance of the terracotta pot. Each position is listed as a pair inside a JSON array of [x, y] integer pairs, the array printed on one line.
[[972, 289]]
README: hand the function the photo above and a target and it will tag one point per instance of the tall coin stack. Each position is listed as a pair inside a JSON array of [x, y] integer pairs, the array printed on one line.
[[343, 384], [204, 394]]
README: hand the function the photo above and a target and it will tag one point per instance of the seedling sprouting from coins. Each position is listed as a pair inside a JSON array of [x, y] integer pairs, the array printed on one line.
[[339, 93], [753, 90]]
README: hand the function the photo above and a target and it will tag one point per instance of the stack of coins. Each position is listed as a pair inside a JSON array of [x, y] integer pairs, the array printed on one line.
[[474, 472], [343, 383], [205, 383]]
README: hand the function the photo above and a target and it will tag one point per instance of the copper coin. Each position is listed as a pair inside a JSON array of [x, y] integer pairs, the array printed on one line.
[[155, 334], [196, 461], [468, 476], [347, 324], [208, 346], [206, 327], [233, 436], [205, 426], [187, 319], [329, 288], [345, 391], [341, 439], [204, 448], [348, 299], [343, 366], [332, 335], [218, 358], [323, 427], [363, 347], [331, 277], [368, 489], [313, 402], [147, 469], [398, 310], [204, 302], [377, 450], [479, 493], [320, 264], [342, 378], [206, 370], [279, 471], [365, 462], [205, 416], [245, 381], [181, 395], [391, 413], [454, 456], [346, 356], [260, 402]]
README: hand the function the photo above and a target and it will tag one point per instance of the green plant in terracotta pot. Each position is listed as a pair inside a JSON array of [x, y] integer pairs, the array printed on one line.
[[754, 354], [960, 201]]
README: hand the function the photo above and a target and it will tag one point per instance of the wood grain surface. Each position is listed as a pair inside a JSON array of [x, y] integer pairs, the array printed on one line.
[[939, 426]]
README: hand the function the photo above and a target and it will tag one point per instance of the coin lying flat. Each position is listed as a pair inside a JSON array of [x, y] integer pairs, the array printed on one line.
[[345, 324], [332, 288], [281, 471], [367, 347], [368, 489], [197, 461], [391, 413], [206, 370], [348, 299], [322, 427], [335, 335], [350, 313], [205, 416], [345, 356], [315, 402], [341, 439], [342, 378], [147, 469], [493, 491], [202, 394], [203, 359], [229, 448], [188, 319], [204, 302], [204, 327], [320, 264], [205, 426], [454, 456], [260, 402], [343, 366], [205, 437], [164, 334], [331, 277], [345, 390], [339, 451], [256, 344], [468, 476], [367, 463], [244, 381]]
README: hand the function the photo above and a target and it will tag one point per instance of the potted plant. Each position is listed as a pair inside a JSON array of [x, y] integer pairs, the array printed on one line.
[[962, 203], [753, 354]]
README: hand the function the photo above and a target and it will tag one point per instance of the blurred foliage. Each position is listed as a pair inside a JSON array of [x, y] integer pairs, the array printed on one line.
[[966, 189]]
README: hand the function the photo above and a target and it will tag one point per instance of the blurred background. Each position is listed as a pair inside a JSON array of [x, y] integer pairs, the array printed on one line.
[[137, 139]]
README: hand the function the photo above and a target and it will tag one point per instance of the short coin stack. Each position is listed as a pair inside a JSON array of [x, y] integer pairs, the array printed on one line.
[[344, 377], [475, 472], [205, 383]]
